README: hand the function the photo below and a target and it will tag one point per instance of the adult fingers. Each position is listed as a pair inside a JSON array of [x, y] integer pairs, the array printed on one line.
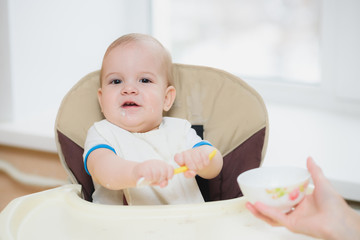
[[276, 216], [259, 215]]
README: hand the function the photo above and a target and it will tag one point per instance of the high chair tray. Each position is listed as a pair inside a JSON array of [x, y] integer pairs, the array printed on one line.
[[61, 213]]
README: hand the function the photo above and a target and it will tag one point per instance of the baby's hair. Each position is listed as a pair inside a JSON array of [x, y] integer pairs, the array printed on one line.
[[134, 37]]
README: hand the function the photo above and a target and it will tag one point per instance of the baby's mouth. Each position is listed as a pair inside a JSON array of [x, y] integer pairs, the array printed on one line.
[[129, 104]]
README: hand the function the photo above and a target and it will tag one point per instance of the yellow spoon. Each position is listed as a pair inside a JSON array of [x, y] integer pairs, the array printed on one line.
[[142, 182], [185, 168]]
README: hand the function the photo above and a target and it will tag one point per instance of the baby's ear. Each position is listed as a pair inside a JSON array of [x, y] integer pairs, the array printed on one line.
[[99, 94], [170, 95]]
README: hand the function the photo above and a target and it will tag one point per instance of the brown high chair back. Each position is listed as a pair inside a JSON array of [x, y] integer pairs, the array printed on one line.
[[221, 107]]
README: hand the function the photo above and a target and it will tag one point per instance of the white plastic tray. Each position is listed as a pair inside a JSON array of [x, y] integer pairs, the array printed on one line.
[[61, 214]]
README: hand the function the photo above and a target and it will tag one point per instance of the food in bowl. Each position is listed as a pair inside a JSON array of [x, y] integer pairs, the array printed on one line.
[[282, 186]]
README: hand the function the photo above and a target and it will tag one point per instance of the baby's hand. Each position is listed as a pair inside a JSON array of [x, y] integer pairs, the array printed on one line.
[[195, 159], [156, 172]]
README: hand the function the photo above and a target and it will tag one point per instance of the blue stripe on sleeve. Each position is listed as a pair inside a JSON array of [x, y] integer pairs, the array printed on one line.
[[91, 150], [202, 143]]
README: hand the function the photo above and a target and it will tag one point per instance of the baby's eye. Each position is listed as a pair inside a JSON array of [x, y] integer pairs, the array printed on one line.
[[145, 80], [116, 81]]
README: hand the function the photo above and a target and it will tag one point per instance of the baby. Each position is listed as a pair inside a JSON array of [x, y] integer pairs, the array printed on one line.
[[135, 141]]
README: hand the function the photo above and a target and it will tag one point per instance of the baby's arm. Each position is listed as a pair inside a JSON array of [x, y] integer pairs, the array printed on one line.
[[113, 172], [198, 162]]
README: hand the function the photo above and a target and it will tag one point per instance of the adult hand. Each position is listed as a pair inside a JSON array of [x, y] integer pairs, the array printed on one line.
[[322, 214]]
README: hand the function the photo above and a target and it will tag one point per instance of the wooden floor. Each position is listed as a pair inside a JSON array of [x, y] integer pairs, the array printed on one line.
[[31, 162]]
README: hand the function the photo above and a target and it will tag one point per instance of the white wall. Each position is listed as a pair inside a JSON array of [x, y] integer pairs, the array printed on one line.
[[46, 46], [5, 78]]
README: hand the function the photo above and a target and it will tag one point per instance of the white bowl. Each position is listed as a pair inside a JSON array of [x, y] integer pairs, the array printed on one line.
[[282, 187]]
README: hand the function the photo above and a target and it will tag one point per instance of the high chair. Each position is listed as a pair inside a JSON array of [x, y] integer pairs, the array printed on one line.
[[229, 113], [221, 107]]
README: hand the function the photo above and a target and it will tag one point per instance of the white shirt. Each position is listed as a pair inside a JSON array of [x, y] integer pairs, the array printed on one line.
[[173, 135]]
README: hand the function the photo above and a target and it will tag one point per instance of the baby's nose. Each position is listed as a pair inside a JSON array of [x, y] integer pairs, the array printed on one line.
[[129, 88]]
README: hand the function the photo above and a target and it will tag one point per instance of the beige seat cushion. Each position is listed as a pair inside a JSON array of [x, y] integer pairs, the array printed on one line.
[[230, 111]]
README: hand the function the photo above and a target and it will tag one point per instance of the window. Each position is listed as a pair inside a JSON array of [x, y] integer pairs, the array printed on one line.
[[256, 39], [302, 52]]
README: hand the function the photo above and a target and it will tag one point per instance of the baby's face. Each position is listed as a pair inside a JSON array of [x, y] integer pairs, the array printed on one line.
[[134, 89]]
